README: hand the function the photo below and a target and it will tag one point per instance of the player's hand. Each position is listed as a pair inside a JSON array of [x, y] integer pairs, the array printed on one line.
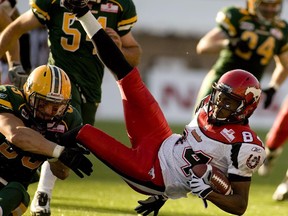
[[237, 43], [201, 186], [152, 204], [269, 92], [69, 138], [77, 7], [17, 76], [74, 158]]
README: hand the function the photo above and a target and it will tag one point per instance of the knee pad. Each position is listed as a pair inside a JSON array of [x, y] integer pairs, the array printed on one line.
[[19, 188]]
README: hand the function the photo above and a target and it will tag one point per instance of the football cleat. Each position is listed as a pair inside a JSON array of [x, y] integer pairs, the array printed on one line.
[[281, 193], [266, 168], [40, 205]]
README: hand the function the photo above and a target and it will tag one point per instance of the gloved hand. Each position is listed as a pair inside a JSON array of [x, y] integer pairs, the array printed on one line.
[[74, 158], [269, 92], [17, 76], [77, 7], [152, 204], [69, 138], [200, 186], [237, 43]]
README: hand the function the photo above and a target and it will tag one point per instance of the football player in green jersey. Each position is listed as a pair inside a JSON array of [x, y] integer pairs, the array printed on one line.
[[71, 50], [17, 75], [247, 38], [33, 123]]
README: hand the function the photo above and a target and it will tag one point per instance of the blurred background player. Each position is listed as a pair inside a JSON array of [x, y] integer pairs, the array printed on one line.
[[11, 64], [247, 38], [158, 161], [32, 125], [275, 139], [71, 50]]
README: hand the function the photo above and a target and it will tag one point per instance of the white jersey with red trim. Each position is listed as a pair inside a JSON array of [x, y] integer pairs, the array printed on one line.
[[233, 148]]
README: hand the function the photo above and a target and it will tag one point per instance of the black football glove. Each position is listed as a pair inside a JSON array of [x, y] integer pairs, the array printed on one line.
[[152, 204], [237, 43], [68, 139], [77, 7], [269, 92], [74, 158], [17, 76]]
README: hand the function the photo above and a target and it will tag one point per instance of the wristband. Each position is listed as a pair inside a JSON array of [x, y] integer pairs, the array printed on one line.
[[57, 151], [275, 86], [90, 24]]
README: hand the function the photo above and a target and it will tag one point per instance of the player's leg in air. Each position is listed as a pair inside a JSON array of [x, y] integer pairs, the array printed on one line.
[[146, 128], [276, 138]]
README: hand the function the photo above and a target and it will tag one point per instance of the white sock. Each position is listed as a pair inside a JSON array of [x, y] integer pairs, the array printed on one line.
[[47, 179]]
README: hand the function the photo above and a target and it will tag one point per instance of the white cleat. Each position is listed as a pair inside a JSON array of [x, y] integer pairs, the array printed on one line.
[[281, 193], [40, 205]]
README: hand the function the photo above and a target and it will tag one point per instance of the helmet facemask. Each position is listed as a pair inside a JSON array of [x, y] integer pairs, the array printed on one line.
[[234, 97], [48, 95], [47, 109], [224, 106]]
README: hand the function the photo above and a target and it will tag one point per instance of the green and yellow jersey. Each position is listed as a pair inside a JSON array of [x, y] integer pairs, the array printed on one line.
[[16, 164], [252, 45], [72, 50], [256, 43]]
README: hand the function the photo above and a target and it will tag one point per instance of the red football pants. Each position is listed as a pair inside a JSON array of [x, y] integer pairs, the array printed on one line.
[[147, 128], [278, 133]]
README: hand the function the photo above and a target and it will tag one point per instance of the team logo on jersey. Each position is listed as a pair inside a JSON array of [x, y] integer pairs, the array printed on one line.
[[276, 33], [111, 8], [59, 128], [255, 149], [247, 26], [252, 161], [228, 134]]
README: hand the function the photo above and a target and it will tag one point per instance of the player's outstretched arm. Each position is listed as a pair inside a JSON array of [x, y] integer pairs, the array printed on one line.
[[108, 51]]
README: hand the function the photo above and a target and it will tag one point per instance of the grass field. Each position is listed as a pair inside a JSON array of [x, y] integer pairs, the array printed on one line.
[[104, 193]]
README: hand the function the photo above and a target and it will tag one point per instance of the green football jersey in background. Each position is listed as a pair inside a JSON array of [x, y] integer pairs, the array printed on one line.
[[252, 45], [71, 49]]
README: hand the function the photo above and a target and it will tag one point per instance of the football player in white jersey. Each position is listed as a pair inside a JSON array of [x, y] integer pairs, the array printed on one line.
[[159, 163]]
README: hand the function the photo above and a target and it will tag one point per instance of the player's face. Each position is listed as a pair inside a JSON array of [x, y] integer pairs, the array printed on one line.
[[269, 10], [224, 105], [46, 110]]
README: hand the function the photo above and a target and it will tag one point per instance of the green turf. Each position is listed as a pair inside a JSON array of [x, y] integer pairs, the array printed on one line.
[[104, 193]]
